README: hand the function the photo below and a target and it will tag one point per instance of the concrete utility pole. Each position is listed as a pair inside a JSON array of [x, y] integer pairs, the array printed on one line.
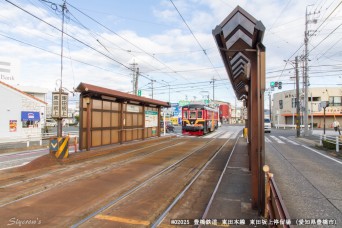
[[152, 86], [269, 99], [59, 119], [297, 99], [306, 82], [135, 77], [213, 81]]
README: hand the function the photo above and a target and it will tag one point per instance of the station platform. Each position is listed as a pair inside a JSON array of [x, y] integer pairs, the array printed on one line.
[[232, 201]]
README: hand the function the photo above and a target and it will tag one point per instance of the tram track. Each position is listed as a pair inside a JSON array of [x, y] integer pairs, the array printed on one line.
[[167, 173], [114, 162], [108, 184]]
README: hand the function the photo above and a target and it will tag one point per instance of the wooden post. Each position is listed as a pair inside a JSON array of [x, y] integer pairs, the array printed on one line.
[[143, 120], [88, 123], [121, 122]]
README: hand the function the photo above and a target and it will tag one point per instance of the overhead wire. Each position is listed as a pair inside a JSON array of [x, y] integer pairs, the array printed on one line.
[[38, 18], [199, 44], [125, 39]]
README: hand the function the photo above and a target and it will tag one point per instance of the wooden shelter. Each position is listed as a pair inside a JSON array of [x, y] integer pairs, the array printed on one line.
[[108, 116]]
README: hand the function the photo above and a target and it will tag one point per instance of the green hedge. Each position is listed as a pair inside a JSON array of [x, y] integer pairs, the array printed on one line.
[[329, 145]]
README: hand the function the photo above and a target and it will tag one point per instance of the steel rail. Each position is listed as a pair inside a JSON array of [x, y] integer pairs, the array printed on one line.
[[85, 174], [180, 195], [136, 188], [86, 162], [219, 182]]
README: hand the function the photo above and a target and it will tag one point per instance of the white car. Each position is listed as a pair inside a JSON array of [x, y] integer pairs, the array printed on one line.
[[267, 125], [51, 123]]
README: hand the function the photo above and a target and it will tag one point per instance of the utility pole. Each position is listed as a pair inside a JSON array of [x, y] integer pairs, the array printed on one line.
[[269, 98], [135, 77], [306, 58], [213, 81], [59, 119], [297, 99], [152, 86]]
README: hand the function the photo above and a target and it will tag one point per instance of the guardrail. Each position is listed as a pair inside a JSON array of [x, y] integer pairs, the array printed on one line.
[[36, 138], [332, 139], [275, 209], [277, 126]]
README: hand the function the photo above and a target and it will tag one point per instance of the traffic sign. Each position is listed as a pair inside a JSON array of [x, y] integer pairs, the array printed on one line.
[[139, 93]]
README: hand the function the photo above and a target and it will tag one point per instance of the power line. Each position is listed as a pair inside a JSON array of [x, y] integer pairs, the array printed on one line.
[[42, 49], [68, 34], [124, 39], [199, 44]]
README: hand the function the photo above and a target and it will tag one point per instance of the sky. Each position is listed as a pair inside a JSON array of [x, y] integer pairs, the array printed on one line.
[[104, 38]]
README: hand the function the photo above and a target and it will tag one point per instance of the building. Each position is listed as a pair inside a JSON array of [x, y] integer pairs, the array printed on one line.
[[21, 114], [284, 108]]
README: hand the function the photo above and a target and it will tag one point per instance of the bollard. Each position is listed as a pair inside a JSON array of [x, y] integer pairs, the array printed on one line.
[[40, 142], [75, 142], [266, 170], [28, 143], [320, 140], [337, 144]]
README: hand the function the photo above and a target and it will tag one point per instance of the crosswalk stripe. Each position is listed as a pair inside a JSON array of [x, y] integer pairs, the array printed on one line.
[[267, 140], [277, 140], [288, 140]]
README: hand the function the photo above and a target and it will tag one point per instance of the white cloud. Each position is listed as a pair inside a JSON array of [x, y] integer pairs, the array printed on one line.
[[170, 47]]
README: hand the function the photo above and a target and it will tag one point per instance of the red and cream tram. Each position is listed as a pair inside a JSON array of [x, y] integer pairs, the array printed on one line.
[[198, 119]]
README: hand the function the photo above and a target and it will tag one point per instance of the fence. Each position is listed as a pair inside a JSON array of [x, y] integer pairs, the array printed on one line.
[[327, 141], [35, 138], [275, 209]]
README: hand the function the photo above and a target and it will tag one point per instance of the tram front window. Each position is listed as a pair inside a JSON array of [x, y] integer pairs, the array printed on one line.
[[199, 114], [192, 115]]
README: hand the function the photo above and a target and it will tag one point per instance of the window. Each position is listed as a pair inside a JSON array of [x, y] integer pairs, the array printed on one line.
[[315, 98], [335, 101], [185, 114], [280, 104], [294, 101], [199, 114], [193, 115]]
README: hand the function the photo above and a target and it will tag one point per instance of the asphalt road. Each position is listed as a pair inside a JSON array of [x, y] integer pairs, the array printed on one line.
[[309, 179]]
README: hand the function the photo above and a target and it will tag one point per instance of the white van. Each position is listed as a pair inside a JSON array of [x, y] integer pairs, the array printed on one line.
[[51, 123], [267, 125]]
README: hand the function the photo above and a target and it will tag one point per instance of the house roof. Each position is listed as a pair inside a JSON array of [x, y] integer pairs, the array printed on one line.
[[22, 92], [97, 90]]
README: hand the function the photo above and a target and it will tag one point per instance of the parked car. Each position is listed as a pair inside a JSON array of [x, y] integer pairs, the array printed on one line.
[[169, 127], [50, 123]]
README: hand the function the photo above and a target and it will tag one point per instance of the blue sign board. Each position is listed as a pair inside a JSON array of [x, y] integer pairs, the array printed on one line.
[[32, 116]]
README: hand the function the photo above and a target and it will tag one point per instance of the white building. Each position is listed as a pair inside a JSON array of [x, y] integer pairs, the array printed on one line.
[[21, 114], [284, 109]]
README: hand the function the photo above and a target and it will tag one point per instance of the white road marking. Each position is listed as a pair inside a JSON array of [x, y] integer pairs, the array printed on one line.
[[226, 135], [288, 140], [277, 140], [267, 140], [10, 167], [333, 159]]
